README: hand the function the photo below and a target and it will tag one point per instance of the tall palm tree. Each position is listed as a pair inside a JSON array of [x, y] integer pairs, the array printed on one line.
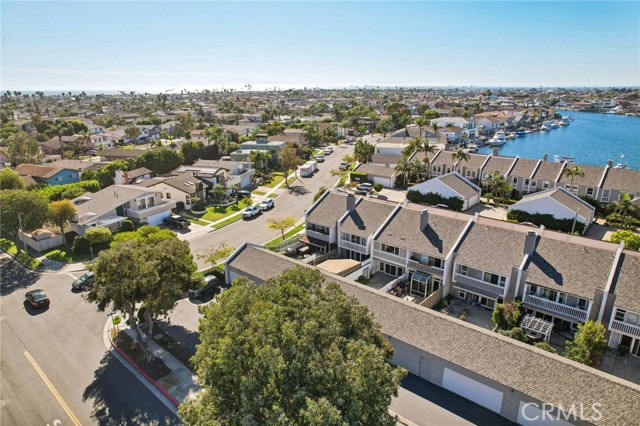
[[403, 168], [625, 207], [499, 186], [572, 172], [458, 156], [435, 128], [418, 169], [363, 150], [213, 132], [422, 122]]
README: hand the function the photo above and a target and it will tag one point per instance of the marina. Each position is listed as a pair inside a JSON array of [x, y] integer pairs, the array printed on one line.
[[592, 139]]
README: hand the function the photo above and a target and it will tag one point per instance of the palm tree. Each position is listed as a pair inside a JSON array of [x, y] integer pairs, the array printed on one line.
[[403, 168], [458, 156], [624, 207], [421, 122], [435, 128], [572, 172], [426, 148], [363, 150], [213, 132], [499, 186], [418, 168]]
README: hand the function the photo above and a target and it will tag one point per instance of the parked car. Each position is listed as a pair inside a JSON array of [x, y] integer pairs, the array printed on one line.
[[37, 298], [351, 139], [243, 194], [364, 186], [250, 212], [344, 165], [92, 152], [211, 283], [266, 204], [320, 158], [85, 282], [178, 222], [328, 150]]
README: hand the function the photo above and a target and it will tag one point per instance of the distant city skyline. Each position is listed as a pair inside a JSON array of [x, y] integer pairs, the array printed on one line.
[[158, 46]]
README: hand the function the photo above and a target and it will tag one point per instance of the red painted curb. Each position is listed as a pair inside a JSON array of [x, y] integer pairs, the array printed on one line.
[[153, 382]]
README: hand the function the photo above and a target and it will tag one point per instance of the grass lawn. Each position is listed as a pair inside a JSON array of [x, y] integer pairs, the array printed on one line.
[[227, 222], [217, 213], [256, 192], [66, 255], [287, 234], [276, 178], [10, 247], [198, 222]]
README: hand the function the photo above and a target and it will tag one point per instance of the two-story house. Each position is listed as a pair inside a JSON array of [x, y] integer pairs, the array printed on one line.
[[472, 168], [624, 321], [588, 185], [619, 181], [468, 127], [497, 164], [545, 176], [321, 219], [182, 189], [520, 175], [49, 174]]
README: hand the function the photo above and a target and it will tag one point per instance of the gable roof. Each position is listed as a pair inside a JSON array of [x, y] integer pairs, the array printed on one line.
[[122, 153], [475, 162], [625, 180], [36, 170], [366, 218], [592, 176], [523, 168], [186, 183], [80, 165], [376, 170], [459, 184], [328, 210], [91, 206], [498, 164], [627, 285], [548, 170], [562, 196]]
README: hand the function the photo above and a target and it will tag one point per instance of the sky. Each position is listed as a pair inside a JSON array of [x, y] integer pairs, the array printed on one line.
[[155, 46]]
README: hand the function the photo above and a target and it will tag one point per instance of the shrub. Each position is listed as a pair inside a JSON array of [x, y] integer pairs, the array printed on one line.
[[516, 333], [99, 235], [549, 222], [431, 198], [545, 347], [588, 343], [68, 191], [321, 191], [506, 315], [198, 205], [631, 239], [377, 187], [362, 280], [358, 177], [602, 210], [80, 245], [126, 226]]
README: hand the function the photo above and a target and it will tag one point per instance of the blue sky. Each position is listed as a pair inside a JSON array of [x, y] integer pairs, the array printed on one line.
[[154, 46]]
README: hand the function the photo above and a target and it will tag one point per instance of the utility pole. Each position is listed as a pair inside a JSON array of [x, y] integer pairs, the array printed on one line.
[[24, 242]]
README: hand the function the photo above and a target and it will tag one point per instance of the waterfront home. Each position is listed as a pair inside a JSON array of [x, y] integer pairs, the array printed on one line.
[[467, 127], [441, 163], [472, 168], [624, 321], [451, 185], [520, 174], [588, 185], [113, 204], [497, 164], [49, 174], [545, 176], [619, 181]]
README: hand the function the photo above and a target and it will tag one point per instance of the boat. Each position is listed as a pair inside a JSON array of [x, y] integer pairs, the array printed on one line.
[[554, 125], [563, 159], [544, 128], [498, 139], [511, 136], [521, 134], [620, 166], [563, 123], [472, 147]]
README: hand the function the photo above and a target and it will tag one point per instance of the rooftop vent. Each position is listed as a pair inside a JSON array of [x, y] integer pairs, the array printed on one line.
[[81, 200]]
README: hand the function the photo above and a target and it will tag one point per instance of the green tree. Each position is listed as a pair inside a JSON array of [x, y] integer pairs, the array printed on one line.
[[289, 160], [191, 151], [631, 239], [185, 124], [572, 172], [137, 272], [260, 159], [459, 156], [217, 255], [384, 126], [499, 187], [213, 133], [22, 148], [105, 174], [10, 179], [516, 333], [218, 194], [363, 150], [506, 315], [545, 347], [132, 132], [588, 343], [422, 122], [431, 114], [281, 223], [26, 208], [319, 194], [99, 235], [403, 169], [625, 208], [61, 213], [398, 112], [417, 169], [160, 160], [308, 355]]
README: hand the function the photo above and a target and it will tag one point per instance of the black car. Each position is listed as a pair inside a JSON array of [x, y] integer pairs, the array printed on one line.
[[211, 283], [85, 282], [243, 194], [175, 221], [37, 298]]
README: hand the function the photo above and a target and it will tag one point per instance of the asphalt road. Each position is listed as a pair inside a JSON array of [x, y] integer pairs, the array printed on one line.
[[54, 367]]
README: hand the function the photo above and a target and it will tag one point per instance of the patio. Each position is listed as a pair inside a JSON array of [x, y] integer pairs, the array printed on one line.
[[475, 315]]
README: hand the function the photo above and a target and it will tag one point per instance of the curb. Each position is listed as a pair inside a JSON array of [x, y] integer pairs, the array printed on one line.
[[15, 258]]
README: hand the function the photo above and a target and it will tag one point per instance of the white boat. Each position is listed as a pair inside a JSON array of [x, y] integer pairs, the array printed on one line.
[[554, 125], [498, 139], [563, 123], [620, 166], [544, 128], [472, 147]]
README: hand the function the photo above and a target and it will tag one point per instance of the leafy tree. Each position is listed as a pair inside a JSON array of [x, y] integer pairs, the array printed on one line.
[[191, 151], [132, 132], [403, 169], [631, 239], [99, 235], [68, 191], [506, 315], [545, 347], [160, 160], [217, 255], [133, 272], [572, 172], [624, 208], [260, 159], [22, 148], [321, 191], [308, 356], [213, 133], [417, 169], [499, 187], [459, 156], [61, 213], [289, 160], [588, 343], [516, 333], [384, 126], [431, 114], [184, 124], [363, 150], [26, 207], [281, 223], [10, 179], [398, 112], [105, 174], [148, 234]]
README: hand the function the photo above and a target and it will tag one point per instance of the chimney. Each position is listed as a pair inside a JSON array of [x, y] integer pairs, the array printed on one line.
[[530, 242], [544, 157], [351, 202], [610, 163], [119, 177], [495, 152], [424, 219]]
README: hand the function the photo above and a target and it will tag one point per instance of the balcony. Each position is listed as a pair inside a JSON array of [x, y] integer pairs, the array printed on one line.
[[555, 308], [353, 246], [383, 255], [415, 264], [144, 213], [625, 327], [318, 235], [493, 289]]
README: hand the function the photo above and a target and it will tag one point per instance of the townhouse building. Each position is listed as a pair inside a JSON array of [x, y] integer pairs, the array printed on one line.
[[321, 219], [624, 321], [588, 185], [520, 175]]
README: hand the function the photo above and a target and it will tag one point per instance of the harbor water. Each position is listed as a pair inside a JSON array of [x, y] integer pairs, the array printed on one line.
[[592, 138]]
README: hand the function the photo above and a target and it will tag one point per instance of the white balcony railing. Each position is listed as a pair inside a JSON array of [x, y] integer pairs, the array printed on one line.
[[626, 328], [318, 235], [353, 246], [554, 307], [483, 285], [159, 208], [426, 268], [383, 255]]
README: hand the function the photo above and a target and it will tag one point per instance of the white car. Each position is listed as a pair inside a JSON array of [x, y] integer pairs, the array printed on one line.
[[328, 150], [266, 204], [344, 165], [320, 158], [364, 186], [250, 212]]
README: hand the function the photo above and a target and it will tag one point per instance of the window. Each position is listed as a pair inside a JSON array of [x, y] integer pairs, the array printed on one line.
[[168, 195], [533, 289], [390, 249], [70, 176], [462, 294], [545, 184], [605, 195], [526, 182], [318, 228], [514, 180], [463, 270], [589, 192], [435, 262], [582, 304], [574, 189], [494, 279], [58, 179], [187, 199], [620, 314]]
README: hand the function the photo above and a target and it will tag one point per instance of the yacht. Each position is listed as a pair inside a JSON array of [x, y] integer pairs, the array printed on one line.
[[554, 125], [544, 128], [511, 136], [498, 139], [521, 133], [563, 123]]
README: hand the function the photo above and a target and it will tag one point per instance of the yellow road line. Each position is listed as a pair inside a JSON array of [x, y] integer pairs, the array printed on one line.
[[53, 390]]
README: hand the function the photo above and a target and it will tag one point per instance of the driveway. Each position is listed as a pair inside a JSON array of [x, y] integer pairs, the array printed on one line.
[[193, 232]]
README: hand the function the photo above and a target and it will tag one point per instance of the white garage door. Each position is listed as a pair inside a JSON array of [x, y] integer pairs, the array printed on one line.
[[157, 219], [532, 415], [382, 181], [473, 390]]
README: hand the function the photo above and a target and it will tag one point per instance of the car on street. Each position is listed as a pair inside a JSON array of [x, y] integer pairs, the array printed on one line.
[[250, 212], [92, 152], [328, 150], [320, 158], [177, 222], [85, 282], [351, 139], [266, 204], [211, 283], [37, 298], [344, 165], [364, 186]]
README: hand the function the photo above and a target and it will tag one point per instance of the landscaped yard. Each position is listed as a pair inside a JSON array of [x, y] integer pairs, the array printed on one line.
[[287, 234], [227, 222], [273, 179], [10, 247], [217, 213], [256, 192], [66, 255]]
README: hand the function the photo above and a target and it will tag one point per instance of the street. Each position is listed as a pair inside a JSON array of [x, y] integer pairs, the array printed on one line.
[[54, 364]]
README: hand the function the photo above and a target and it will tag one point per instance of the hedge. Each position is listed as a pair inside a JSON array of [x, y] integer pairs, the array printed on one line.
[[358, 177], [549, 222], [432, 198], [68, 191]]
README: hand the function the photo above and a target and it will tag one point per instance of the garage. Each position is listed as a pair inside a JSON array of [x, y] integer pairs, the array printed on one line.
[[473, 390], [157, 219], [530, 414]]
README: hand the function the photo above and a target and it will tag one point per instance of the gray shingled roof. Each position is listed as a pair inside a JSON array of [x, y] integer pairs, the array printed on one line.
[[436, 240], [107, 199], [459, 184], [563, 197], [366, 218], [623, 180], [523, 168], [386, 159], [570, 268], [376, 170], [498, 164], [627, 283], [591, 179], [539, 374], [329, 210], [492, 249], [474, 163], [444, 158], [548, 170]]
